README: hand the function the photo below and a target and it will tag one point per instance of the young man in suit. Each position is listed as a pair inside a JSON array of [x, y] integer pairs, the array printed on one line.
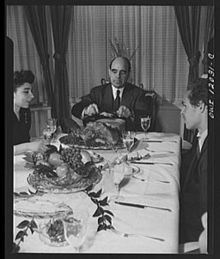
[[118, 98], [193, 194]]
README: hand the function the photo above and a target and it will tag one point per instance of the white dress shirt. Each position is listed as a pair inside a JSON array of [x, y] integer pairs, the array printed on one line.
[[201, 138], [114, 92]]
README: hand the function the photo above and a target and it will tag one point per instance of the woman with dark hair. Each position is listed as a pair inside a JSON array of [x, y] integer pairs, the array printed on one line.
[[22, 115]]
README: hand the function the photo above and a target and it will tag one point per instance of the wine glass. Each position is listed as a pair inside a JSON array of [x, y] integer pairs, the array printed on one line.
[[50, 128], [118, 176], [128, 140], [75, 228], [145, 124]]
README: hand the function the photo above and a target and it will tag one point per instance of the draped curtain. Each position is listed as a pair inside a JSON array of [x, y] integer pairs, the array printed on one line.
[[209, 34], [25, 53], [188, 19], [60, 20], [36, 19], [189, 22], [160, 62]]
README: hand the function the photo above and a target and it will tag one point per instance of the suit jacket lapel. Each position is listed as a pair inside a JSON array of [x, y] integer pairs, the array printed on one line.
[[194, 163]]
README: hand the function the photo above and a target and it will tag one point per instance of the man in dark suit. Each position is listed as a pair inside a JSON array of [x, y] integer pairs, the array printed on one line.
[[117, 98], [193, 194]]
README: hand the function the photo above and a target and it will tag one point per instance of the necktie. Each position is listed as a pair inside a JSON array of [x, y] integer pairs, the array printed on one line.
[[117, 101]]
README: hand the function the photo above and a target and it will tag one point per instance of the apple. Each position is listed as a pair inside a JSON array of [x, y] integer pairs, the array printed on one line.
[[55, 159]]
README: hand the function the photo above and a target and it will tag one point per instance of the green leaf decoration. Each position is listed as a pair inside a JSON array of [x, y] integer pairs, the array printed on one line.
[[109, 212], [108, 218], [98, 212], [89, 188], [104, 202], [101, 227], [101, 220], [31, 229], [33, 224], [20, 234], [23, 224], [94, 200]]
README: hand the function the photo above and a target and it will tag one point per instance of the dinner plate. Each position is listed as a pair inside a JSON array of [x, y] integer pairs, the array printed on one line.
[[47, 185], [38, 208]]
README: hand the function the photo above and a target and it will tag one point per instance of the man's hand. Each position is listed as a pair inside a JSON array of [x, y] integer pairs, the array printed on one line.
[[123, 112], [92, 109]]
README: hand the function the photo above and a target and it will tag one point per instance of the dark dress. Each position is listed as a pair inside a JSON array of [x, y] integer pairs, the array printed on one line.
[[133, 97], [193, 194], [21, 128]]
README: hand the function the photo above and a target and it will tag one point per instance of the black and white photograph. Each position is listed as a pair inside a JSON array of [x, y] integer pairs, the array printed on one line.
[[109, 137]]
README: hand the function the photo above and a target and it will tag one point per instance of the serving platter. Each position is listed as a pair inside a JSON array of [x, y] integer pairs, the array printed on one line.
[[49, 185], [64, 142], [38, 208]]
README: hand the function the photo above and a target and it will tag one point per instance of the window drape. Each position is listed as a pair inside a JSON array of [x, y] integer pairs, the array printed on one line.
[[188, 19], [209, 34], [25, 54], [60, 20], [36, 19], [160, 62]]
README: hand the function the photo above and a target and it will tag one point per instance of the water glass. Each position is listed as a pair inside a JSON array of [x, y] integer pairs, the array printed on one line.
[[75, 228]]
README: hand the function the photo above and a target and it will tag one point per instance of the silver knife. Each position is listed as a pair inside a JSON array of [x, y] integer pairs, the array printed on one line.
[[160, 141], [151, 163], [140, 205]]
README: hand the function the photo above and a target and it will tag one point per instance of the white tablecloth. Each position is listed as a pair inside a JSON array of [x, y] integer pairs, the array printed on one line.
[[148, 221]]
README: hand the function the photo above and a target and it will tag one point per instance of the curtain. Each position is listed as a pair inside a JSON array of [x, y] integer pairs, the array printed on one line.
[[36, 19], [25, 53], [209, 33], [188, 19], [160, 62], [60, 18]]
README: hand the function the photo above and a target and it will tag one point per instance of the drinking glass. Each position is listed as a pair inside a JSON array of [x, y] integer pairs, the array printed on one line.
[[145, 124], [75, 228], [128, 140], [50, 128]]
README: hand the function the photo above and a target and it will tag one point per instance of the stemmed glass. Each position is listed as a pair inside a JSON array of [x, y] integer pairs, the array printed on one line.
[[128, 139], [145, 124], [51, 127], [118, 176], [75, 228]]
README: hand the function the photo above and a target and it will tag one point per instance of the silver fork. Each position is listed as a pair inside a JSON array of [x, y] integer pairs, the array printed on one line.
[[153, 151], [123, 234], [145, 180]]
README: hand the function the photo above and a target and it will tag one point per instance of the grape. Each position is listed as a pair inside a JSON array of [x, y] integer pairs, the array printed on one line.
[[72, 156]]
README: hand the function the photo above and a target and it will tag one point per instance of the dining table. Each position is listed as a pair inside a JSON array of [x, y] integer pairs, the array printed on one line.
[[145, 212]]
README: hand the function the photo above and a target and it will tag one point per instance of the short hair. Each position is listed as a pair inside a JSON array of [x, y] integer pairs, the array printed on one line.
[[22, 77], [125, 58], [198, 91]]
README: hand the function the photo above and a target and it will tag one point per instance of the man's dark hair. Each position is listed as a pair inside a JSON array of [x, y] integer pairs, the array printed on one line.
[[22, 77], [198, 92], [126, 59]]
